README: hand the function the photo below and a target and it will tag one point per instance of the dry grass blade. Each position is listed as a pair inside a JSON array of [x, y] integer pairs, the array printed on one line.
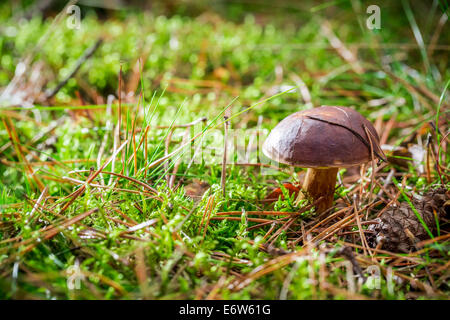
[[360, 229], [266, 268], [86, 55], [14, 138], [78, 192], [38, 202], [264, 213], [143, 184], [224, 159], [208, 218], [343, 51], [249, 219]]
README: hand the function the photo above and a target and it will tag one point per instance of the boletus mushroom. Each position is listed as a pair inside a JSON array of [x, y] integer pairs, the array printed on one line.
[[323, 140]]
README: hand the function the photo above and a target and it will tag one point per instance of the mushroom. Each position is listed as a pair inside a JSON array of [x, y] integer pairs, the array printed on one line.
[[323, 140]]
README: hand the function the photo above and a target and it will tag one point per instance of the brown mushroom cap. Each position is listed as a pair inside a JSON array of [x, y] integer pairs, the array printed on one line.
[[323, 137]]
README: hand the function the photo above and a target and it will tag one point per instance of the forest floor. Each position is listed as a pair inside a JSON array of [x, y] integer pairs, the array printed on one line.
[[108, 197]]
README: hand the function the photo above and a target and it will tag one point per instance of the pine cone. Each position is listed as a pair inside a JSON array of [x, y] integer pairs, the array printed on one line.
[[399, 228]]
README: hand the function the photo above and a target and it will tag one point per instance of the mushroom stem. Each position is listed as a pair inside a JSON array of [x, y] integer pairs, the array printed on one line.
[[321, 183]]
